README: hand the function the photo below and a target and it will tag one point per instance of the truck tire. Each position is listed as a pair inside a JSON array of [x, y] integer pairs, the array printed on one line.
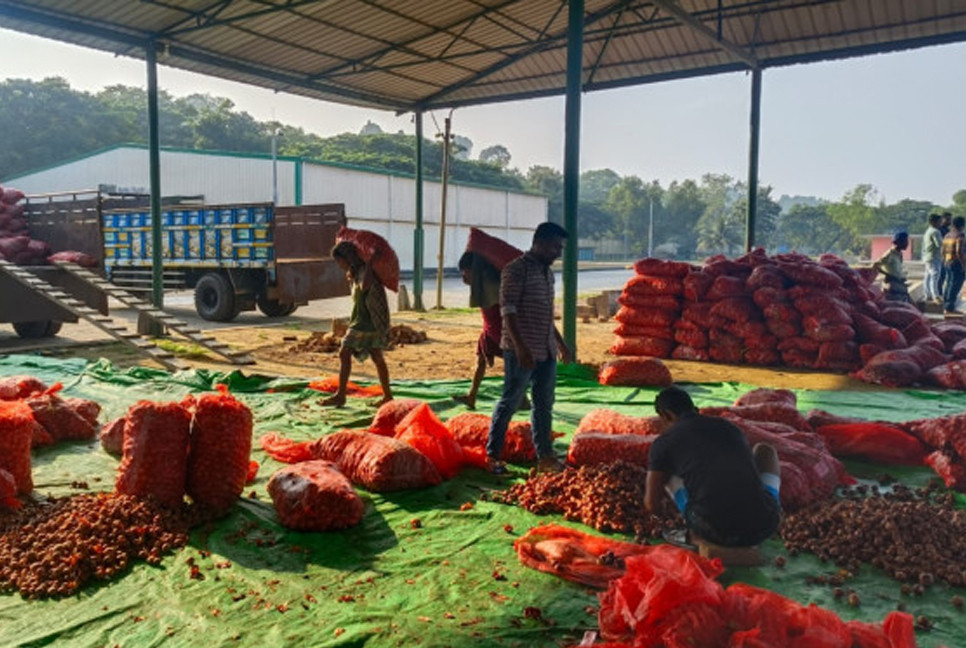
[[39, 329], [274, 308], [215, 298]]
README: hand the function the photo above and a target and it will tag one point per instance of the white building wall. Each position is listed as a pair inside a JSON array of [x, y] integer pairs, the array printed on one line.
[[379, 202]]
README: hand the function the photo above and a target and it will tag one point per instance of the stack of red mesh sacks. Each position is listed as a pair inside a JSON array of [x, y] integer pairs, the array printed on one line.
[[16, 245], [200, 447], [650, 305], [945, 437], [809, 472], [604, 436], [56, 418]]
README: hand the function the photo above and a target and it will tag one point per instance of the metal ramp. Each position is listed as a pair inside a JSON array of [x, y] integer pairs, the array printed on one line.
[[147, 309], [110, 326]]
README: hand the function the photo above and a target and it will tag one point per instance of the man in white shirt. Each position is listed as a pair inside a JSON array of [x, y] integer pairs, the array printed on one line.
[[932, 260]]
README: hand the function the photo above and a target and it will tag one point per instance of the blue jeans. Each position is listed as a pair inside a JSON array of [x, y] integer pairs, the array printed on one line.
[[931, 282], [543, 377], [954, 283]]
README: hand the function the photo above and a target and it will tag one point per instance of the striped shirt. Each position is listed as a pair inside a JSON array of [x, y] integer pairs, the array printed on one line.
[[526, 290]]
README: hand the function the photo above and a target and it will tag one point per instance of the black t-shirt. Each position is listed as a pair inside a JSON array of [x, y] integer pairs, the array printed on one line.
[[724, 488]]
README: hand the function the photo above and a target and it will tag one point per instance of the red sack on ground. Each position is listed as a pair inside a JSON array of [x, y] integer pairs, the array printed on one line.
[[823, 330], [661, 268], [16, 431], [873, 441], [782, 329], [8, 491], [783, 311], [641, 346], [870, 331], [70, 256], [661, 302], [646, 317], [769, 411], [605, 421], [592, 448], [112, 436], [763, 357], [87, 409], [838, 356], [379, 464], [423, 430], [696, 285], [685, 352], [959, 350], [61, 421], [285, 450], [817, 418], [698, 313], [898, 318], [315, 496], [765, 276], [926, 357], [633, 330], [471, 431], [765, 395], [573, 555], [637, 372], [690, 334], [724, 286], [497, 252], [736, 309], [17, 387], [643, 285], [220, 452], [754, 333], [895, 373], [390, 414], [155, 462], [806, 271], [369, 244], [950, 335], [768, 295], [951, 375], [951, 469]]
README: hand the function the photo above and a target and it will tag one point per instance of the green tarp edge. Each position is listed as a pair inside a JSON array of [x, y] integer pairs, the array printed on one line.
[[451, 580]]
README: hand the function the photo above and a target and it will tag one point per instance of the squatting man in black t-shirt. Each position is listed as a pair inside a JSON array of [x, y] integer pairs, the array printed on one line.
[[727, 492]]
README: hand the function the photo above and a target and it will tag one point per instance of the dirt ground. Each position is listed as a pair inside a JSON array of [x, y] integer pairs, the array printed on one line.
[[447, 353]]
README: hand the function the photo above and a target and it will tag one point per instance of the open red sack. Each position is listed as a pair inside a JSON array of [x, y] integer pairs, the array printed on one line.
[[423, 430], [285, 450], [661, 268], [330, 385], [390, 414], [63, 420], [607, 421], [16, 431], [575, 556], [220, 451], [497, 252], [17, 387], [637, 372], [873, 441], [155, 462], [765, 395], [593, 448], [471, 431], [112, 436], [377, 463], [371, 245], [315, 496]]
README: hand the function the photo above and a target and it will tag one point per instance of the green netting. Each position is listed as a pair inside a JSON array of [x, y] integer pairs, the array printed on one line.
[[451, 580]]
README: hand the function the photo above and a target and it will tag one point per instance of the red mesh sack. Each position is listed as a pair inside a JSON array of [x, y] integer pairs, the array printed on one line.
[[737, 309], [782, 329], [642, 346], [685, 352], [822, 304], [951, 375], [592, 448], [805, 271], [497, 252], [824, 330], [633, 330], [698, 313], [646, 285], [423, 430], [390, 414], [369, 244], [893, 373], [724, 286], [690, 334], [781, 310], [12, 246], [926, 357], [221, 445], [765, 395], [16, 424], [720, 265], [661, 268], [377, 463], [11, 196], [87, 409], [315, 496], [869, 351], [873, 441], [763, 357], [112, 437], [951, 469], [899, 318], [726, 354], [661, 302], [765, 276], [40, 437], [8, 491], [766, 295], [950, 335], [605, 421], [155, 462], [870, 331], [696, 285], [286, 450], [798, 359], [817, 418], [768, 411], [16, 387], [842, 354], [754, 333], [646, 317], [70, 256], [61, 421], [471, 431], [637, 372], [959, 350]]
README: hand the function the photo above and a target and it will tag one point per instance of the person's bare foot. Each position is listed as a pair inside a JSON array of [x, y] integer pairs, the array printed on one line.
[[337, 400], [466, 400]]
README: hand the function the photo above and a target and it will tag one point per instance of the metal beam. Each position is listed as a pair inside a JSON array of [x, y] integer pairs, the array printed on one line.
[[571, 167], [753, 159], [418, 231], [703, 30], [154, 158]]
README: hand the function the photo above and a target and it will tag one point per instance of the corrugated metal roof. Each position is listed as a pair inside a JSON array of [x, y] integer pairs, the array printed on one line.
[[407, 54]]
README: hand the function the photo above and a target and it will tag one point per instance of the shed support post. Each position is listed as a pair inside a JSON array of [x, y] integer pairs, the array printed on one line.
[[753, 158], [154, 162], [575, 47], [418, 232]]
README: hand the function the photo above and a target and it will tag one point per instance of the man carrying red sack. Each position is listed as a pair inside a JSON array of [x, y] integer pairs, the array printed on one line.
[[727, 492]]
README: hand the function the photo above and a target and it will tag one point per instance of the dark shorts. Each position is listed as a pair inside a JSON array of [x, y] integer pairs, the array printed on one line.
[[488, 347], [745, 538]]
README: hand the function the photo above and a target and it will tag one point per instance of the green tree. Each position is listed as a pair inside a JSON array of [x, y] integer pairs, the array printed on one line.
[[719, 230], [631, 201], [596, 184], [496, 154], [810, 230], [549, 182], [683, 205], [593, 221]]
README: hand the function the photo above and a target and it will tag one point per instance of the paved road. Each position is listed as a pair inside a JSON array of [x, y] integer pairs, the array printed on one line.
[[181, 305]]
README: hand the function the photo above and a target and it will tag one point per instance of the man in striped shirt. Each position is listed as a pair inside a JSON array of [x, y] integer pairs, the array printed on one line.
[[530, 343]]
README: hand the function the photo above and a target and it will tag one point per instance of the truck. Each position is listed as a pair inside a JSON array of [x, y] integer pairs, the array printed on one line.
[[235, 257]]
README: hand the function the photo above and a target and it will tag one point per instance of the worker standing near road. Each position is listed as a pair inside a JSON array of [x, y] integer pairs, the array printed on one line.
[[893, 271], [726, 491]]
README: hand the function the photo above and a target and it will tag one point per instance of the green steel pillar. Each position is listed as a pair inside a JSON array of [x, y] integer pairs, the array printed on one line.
[[299, 162], [575, 47], [753, 158], [418, 233], [154, 157]]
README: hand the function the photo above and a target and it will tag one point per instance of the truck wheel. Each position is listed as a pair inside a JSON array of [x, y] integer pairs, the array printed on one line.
[[40, 329], [215, 298], [274, 308]]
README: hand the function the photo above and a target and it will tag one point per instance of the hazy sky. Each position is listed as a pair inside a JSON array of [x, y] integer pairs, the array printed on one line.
[[894, 121]]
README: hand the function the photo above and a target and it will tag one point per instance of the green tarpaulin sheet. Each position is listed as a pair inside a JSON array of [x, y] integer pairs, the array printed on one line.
[[451, 580]]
